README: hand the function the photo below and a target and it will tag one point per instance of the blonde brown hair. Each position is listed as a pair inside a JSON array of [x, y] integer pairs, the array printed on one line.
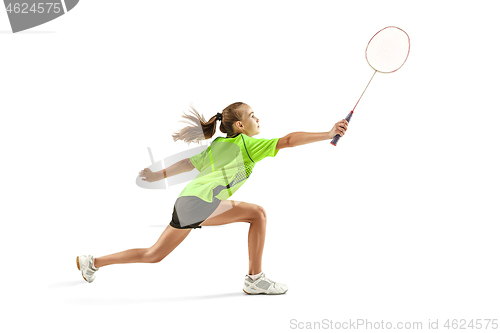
[[205, 130]]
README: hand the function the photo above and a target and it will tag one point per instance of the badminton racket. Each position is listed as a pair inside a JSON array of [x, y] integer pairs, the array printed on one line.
[[386, 52]]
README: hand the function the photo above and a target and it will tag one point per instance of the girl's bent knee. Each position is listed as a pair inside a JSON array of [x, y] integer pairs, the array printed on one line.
[[152, 257], [259, 215], [262, 212]]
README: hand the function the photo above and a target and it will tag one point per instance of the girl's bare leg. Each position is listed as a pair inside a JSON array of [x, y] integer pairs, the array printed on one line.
[[167, 242], [256, 239], [230, 211]]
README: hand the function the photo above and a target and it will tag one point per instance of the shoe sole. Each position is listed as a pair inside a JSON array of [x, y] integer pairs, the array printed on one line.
[[78, 265], [262, 293]]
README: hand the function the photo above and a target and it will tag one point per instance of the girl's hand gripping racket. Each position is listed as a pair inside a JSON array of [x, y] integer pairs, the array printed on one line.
[[337, 137], [386, 52]]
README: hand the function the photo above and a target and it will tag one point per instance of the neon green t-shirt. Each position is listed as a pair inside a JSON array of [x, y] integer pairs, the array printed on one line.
[[226, 164]]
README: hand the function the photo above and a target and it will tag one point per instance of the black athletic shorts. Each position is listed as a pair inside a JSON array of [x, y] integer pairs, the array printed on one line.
[[191, 211]]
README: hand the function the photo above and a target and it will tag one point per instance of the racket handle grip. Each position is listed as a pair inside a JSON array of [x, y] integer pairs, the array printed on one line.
[[337, 137], [335, 140]]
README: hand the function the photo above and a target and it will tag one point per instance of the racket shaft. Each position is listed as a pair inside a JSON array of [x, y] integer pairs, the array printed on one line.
[[354, 108], [336, 138]]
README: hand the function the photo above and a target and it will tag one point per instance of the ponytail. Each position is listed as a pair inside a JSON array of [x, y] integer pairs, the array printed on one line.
[[203, 129]]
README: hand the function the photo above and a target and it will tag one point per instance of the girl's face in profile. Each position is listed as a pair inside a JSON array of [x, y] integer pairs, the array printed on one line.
[[249, 124]]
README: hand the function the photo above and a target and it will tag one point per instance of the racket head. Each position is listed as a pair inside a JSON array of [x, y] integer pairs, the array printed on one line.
[[388, 50]]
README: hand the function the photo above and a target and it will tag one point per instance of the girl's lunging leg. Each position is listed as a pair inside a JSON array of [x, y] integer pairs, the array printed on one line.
[[256, 239], [230, 211], [168, 241], [124, 257]]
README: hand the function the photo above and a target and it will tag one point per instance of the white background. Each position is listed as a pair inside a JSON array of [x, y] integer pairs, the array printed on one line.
[[399, 222]]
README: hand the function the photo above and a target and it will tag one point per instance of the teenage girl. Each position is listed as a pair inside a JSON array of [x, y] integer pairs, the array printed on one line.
[[224, 166]]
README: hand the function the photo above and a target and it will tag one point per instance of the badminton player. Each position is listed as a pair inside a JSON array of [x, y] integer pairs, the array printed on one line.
[[224, 167]]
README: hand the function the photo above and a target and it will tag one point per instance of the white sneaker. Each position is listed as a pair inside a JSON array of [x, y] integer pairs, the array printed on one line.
[[263, 285], [84, 264]]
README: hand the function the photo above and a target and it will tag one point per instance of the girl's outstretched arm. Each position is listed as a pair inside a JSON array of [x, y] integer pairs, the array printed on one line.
[[184, 165], [301, 138]]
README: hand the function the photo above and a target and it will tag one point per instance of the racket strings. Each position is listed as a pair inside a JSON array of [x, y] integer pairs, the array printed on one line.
[[388, 49]]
